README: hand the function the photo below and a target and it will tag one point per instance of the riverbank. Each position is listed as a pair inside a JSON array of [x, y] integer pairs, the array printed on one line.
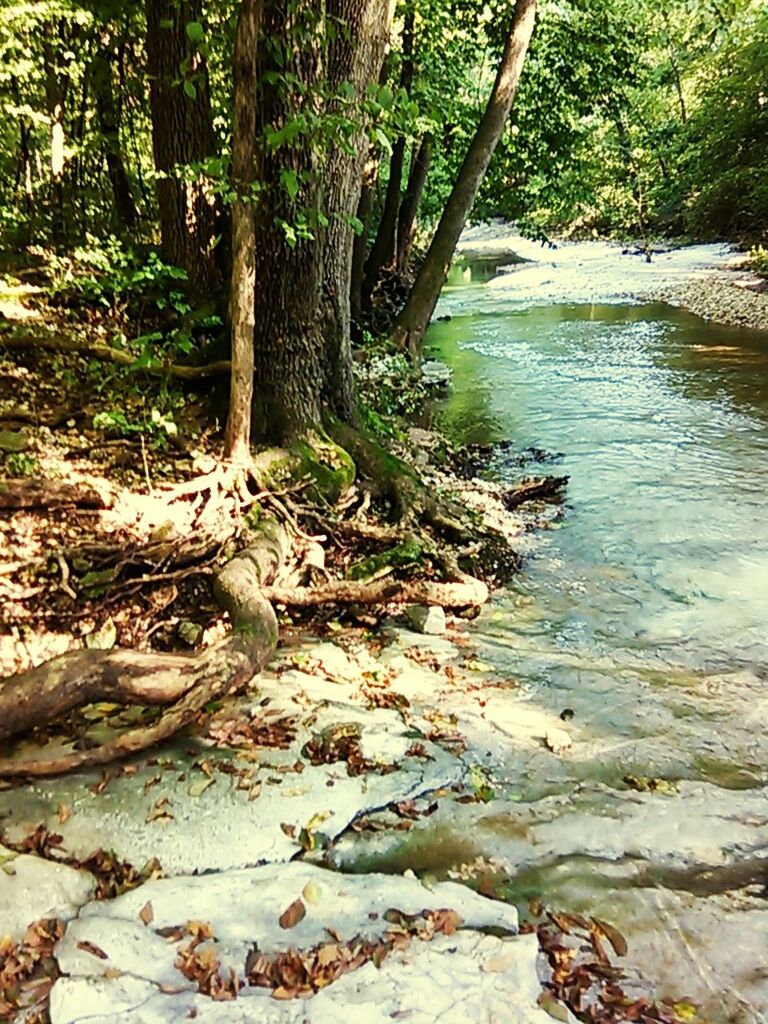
[[708, 280]]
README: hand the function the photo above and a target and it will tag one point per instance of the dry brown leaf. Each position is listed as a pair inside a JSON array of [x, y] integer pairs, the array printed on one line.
[[63, 813], [92, 948], [291, 916], [146, 913], [614, 936]]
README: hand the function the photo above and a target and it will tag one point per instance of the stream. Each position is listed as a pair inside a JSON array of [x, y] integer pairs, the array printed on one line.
[[643, 609]]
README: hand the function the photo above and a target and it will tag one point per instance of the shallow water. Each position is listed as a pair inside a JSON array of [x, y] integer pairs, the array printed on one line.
[[644, 610]]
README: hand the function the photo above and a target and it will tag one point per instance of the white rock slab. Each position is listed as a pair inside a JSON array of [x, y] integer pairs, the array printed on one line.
[[34, 888], [466, 976]]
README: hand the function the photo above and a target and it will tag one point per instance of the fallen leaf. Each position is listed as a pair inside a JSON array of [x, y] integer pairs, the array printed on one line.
[[199, 787], [63, 813], [92, 948], [291, 916], [312, 893], [614, 936], [146, 913]]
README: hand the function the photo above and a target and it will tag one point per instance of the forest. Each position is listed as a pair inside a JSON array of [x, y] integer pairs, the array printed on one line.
[[257, 259]]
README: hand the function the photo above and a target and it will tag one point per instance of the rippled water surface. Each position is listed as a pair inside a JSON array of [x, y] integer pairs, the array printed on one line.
[[645, 611]]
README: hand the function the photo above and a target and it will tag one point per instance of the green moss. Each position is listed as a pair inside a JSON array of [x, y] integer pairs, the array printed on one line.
[[330, 468], [397, 557]]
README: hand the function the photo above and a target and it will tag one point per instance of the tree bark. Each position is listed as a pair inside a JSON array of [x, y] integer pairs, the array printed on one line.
[[243, 279], [355, 55], [413, 320], [108, 114], [288, 375], [182, 134], [406, 224]]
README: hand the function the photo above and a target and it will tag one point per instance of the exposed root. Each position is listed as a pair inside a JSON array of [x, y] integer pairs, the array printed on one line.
[[49, 494], [97, 350], [540, 489], [186, 682], [464, 594]]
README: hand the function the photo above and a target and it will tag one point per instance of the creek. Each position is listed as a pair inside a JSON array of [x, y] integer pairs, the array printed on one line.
[[642, 609]]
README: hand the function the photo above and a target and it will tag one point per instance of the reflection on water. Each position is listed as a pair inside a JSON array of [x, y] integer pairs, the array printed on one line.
[[645, 610]]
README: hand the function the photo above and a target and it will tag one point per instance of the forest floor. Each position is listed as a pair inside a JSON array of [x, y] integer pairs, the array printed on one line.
[[192, 880]]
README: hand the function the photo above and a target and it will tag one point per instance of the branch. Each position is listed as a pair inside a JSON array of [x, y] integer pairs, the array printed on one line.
[[464, 594], [98, 350]]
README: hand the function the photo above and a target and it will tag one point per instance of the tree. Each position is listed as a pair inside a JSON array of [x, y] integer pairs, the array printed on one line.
[[108, 113], [182, 139], [355, 57], [243, 278], [413, 321]]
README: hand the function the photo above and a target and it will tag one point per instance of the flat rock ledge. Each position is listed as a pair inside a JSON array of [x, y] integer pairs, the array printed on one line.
[[120, 970], [32, 888]]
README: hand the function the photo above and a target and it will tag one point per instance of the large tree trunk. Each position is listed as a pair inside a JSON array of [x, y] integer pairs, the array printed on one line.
[[417, 178], [412, 322], [360, 242], [355, 56], [288, 361], [108, 114], [182, 134], [385, 244], [243, 279]]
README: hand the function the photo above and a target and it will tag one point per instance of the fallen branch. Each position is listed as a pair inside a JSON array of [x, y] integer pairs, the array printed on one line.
[[24, 493], [463, 594], [540, 489], [185, 682], [98, 350]]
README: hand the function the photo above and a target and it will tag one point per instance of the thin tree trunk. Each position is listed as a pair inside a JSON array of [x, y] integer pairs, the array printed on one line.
[[406, 225], [243, 279], [385, 244], [182, 134], [360, 242], [355, 56], [412, 322], [108, 114]]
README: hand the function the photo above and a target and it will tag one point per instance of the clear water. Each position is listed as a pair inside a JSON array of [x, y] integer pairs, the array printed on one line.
[[646, 612]]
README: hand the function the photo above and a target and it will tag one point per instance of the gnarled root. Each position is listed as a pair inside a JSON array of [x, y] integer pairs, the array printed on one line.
[[185, 682], [462, 594]]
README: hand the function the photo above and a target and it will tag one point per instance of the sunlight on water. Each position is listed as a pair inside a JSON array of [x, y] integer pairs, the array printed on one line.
[[645, 611]]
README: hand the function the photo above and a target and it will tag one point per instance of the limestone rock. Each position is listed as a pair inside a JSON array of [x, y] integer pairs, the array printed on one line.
[[426, 619]]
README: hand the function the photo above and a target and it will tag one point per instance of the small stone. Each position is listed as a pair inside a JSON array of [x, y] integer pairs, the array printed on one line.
[[426, 619], [558, 741]]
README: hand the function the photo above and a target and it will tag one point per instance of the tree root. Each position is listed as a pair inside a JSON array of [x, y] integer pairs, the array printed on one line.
[[97, 350], [540, 489], [186, 682], [462, 594], [24, 493]]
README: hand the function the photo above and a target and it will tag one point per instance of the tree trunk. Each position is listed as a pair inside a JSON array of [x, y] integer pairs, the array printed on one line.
[[385, 244], [243, 279], [355, 55], [360, 242], [107, 112], [288, 374], [412, 322], [417, 177], [182, 134]]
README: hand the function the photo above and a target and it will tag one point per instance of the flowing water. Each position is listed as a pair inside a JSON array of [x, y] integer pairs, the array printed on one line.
[[644, 610]]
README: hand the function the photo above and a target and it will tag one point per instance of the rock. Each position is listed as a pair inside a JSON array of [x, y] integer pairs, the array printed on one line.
[[32, 888], [558, 740], [451, 978], [426, 619]]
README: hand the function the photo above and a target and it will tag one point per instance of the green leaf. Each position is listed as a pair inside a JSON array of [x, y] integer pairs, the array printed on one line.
[[190, 90], [195, 31], [290, 180]]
